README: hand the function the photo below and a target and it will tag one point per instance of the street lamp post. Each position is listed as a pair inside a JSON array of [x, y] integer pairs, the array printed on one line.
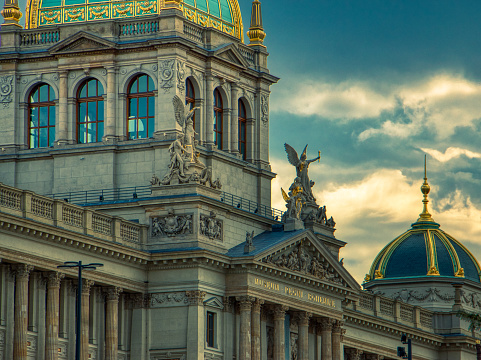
[[74, 264]]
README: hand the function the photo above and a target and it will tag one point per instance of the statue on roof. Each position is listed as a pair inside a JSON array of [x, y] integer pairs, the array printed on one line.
[[302, 166], [295, 199]]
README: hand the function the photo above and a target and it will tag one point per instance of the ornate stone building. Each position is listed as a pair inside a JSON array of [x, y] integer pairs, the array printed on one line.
[[136, 134]]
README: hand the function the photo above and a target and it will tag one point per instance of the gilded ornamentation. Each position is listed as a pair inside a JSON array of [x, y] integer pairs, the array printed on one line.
[[299, 258], [75, 14], [6, 87], [190, 14], [51, 16], [98, 12], [146, 6], [166, 73], [295, 199], [265, 108], [172, 225], [180, 76], [211, 227], [125, 9]]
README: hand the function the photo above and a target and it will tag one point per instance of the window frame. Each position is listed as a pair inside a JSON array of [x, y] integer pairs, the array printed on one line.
[[242, 120], [37, 105], [218, 114], [210, 329], [190, 99], [90, 99], [138, 95]]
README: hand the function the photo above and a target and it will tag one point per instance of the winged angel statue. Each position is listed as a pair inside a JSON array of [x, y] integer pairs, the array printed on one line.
[[184, 116], [302, 166]]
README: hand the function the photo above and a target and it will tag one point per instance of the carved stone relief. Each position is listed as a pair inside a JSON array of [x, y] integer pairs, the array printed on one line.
[[300, 258], [181, 76], [6, 89], [168, 355], [430, 295], [470, 299], [168, 299], [166, 74], [172, 225], [265, 108], [294, 344], [210, 226]]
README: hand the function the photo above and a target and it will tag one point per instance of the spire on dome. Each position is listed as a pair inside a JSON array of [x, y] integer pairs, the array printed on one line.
[[11, 13], [425, 188], [256, 32]]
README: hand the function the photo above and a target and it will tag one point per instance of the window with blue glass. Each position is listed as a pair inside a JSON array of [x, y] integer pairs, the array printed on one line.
[[41, 124], [141, 108], [90, 112], [190, 96], [242, 129], [218, 119]]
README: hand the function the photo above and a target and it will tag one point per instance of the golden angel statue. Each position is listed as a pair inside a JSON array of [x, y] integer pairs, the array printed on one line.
[[294, 200], [302, 166]]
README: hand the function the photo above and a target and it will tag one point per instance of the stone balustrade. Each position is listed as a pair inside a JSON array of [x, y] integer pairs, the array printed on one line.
[[72, 217], [393, 310]]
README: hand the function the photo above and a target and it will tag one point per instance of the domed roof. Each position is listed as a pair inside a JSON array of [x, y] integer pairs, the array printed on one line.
[[223, 15], [424, 251]]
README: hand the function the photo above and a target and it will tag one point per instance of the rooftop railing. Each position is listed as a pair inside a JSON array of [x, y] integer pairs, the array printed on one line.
[[96, 197]]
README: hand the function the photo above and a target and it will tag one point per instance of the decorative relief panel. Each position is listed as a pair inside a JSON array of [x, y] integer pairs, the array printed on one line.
[[167, 355], [50, 17], [6, 90], [147, 7], [265, 108], [98, 12], [301, 259], [123, 10], [166, 74], [172, 225], [74, 14], [294, 345], [168, 299], [181, 76], [211, 227], [430, 295]]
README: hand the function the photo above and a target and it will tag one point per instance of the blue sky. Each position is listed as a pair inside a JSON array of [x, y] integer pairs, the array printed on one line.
[[375, 85]]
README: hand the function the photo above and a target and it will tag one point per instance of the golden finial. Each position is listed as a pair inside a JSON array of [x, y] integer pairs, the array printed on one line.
[[425, 189], [11, 13], [256, 32]]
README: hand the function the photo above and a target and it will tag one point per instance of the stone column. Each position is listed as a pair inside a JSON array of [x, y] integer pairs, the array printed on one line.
[[110, 124], [209, 109], [326, 339], [62, 132], [84, 324], [245, 307], [234, 90], [337, 332], [111, 323], [303, 342], [256, 329], [53, 298], [279, 332], [195, 325], [22, 272]]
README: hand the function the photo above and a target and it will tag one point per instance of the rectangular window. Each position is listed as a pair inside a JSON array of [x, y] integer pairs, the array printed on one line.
[[210, 331]]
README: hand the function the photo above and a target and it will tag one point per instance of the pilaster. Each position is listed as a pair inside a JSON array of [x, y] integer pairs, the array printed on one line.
[[111, 323], [245, 308], [52, 317], [195, 325], [84, 323], [256, 329], [22, 273]]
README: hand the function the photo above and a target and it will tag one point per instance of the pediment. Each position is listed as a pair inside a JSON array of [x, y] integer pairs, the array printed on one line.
[[214, 302], [230, 54], [307, 256], [81, 42]]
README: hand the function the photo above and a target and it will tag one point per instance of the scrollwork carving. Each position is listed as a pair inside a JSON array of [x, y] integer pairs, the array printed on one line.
[[431, 295], [172, 225], [181, 76], [6, 89], [211, 227], [265, 108], [166, 73]]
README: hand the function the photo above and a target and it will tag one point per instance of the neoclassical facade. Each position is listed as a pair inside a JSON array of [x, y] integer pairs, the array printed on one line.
[[135, 134]]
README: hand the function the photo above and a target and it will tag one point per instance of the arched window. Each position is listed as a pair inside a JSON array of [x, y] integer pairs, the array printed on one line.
[[242, 129], [141, 108], [41, 124], [90, 112], [190, 96], [218, 117]]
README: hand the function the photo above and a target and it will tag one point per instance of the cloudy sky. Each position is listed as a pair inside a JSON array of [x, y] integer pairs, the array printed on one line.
[[375, 85]]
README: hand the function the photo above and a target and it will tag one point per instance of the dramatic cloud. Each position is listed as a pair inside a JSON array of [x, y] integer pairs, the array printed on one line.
[[451, 153]]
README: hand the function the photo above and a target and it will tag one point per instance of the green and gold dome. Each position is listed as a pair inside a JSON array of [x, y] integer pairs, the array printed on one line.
[[423, 252], [223, 15]]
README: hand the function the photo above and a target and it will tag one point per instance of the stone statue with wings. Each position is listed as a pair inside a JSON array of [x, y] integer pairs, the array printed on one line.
[[184, 116], [302, 166]]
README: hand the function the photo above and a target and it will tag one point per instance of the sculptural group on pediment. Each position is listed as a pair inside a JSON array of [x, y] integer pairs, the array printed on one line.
[[300, 201], [184, 165], [298, 258]]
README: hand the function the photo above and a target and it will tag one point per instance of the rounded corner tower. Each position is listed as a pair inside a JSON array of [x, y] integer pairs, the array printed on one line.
[[421, 265]]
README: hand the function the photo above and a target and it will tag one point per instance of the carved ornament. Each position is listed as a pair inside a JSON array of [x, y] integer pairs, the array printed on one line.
[[6, 88], [166, 74], [431, 295], [172, 225], [181, 76], [211, 227], [112, 293], [196, 297], [168, 298]]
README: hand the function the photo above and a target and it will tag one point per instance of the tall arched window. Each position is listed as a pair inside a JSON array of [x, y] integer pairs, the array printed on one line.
[[41, 124], [242, 129], [218, 117], [90, 112], [190, 96], [141, 108]]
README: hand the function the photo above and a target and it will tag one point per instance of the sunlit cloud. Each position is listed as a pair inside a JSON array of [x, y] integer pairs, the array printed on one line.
[[451, 153]]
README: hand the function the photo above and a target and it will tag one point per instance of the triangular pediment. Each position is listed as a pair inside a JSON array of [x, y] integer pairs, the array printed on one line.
[[230, 54], [81, 42], [214, 302], [308, 257]]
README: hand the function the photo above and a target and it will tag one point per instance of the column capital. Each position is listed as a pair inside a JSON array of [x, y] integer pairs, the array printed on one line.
[[112, 293], [22, 270], [256, 305], [337, 326], [53, 278], [280, 311], [196, 297], [111, 68], [245, 302], [325, 324], [303, 318], [86, 285], [62, 73], [354, 354], [234, 86]]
